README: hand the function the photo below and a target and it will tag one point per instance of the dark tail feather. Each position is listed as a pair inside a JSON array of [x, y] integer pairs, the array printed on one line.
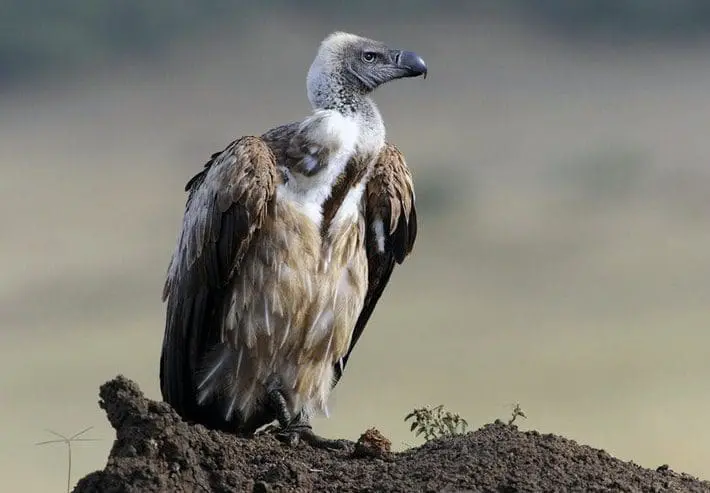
[[187, 336], [196, 368]]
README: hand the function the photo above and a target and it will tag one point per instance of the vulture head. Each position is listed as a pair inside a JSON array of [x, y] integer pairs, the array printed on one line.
[[352, 64]]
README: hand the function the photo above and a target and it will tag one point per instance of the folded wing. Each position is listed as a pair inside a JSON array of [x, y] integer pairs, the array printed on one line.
[[228, 202], [391, 220]]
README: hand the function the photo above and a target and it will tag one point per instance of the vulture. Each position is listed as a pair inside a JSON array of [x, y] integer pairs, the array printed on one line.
[[288, 240]]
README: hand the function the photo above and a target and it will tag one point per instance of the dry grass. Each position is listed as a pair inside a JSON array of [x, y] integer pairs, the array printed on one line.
[[67, 442]]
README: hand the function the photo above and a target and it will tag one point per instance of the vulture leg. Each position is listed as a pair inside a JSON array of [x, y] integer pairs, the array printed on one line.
[[294, 430], [280, 406]]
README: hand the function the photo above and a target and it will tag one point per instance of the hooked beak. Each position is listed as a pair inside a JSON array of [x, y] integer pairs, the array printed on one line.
[[412, 64]]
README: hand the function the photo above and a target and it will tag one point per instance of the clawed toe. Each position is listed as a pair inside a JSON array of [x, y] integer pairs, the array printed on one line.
[[293, 435], [269, 429]]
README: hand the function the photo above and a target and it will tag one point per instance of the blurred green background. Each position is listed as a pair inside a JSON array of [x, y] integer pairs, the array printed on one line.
[[560, 153]]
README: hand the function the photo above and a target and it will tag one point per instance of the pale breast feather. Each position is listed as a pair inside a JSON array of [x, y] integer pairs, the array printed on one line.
[[349, 209], [320, 148]]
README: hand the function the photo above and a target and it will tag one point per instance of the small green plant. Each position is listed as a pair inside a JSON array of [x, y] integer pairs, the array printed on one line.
[[517, 412], [76, 437], [435, 422]]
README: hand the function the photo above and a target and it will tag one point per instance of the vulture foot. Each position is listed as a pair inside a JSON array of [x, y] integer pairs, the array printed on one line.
[[292, 431], [297, 432]]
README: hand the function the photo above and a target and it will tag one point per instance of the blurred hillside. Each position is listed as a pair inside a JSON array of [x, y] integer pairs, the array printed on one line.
[[39, 38], [561, 168]]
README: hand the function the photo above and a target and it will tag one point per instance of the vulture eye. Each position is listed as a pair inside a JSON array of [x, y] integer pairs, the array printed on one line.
[[369, 56]]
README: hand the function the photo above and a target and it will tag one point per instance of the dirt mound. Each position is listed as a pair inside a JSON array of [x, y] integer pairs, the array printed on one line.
[[156, 451]]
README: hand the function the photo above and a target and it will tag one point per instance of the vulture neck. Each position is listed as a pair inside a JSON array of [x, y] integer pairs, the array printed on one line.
[[331, 92]]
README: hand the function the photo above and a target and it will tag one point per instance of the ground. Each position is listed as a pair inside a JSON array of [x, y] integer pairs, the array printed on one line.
[[156, 451]]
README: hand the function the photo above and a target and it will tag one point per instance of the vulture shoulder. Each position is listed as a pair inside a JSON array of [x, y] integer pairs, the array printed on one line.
[[391, 222], [228, 201]]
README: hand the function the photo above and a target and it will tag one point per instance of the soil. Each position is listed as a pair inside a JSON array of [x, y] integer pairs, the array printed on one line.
[[156, 451]]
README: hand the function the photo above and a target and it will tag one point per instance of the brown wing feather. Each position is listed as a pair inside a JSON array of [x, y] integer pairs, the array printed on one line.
[[227, 204], [389, 198]]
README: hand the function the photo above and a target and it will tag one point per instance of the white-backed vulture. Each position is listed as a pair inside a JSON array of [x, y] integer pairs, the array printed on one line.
[[288, 240]]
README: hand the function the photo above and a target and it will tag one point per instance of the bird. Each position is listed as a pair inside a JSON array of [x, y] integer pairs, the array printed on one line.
[[287, 242]]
